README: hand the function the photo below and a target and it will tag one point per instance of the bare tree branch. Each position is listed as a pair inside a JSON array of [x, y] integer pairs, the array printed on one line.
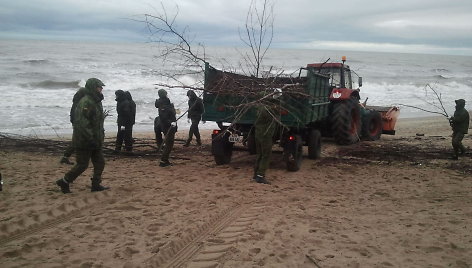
[[436, 102], [259, 24], [246, 91]]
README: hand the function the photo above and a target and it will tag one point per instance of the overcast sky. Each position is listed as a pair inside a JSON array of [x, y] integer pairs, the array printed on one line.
[[417, 26]]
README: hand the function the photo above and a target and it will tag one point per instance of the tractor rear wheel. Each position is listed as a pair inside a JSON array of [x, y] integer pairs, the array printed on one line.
[[314, 144], [372, 126], [346, 121]]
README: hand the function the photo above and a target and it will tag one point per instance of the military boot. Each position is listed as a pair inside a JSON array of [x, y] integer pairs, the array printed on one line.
[[164, 163], [117, 150], [65, 160], [97, 187], [64, 186], [199, 142], [261, 179], [187, 143]]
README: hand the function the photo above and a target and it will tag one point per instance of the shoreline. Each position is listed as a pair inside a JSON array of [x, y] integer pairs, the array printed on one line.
[[431, 125]]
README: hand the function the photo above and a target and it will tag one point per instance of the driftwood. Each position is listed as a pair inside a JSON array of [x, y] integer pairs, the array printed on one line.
[[141, 146]]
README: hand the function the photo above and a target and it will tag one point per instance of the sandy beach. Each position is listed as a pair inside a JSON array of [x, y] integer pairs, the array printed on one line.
[[396, 202]]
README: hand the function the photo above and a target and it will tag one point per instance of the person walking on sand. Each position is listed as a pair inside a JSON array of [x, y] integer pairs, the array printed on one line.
[[167, 124], [195, 111], [126, 116], [460, 125], [88, 137], [264, 127], [70, 149]]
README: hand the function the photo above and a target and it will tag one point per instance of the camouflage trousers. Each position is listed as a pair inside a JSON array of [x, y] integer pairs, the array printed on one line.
[[69, 151], [194, 130], [124, 134], [264, 151], [168, 143], [82, 158], [457, 143]]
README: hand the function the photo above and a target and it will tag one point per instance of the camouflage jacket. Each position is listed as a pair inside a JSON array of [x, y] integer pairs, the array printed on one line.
[[88, 123]]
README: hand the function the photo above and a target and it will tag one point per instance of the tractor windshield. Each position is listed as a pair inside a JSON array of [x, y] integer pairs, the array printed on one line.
[[335, 77]]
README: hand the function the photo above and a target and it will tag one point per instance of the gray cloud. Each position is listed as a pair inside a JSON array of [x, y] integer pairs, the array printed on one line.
[[430, 26]]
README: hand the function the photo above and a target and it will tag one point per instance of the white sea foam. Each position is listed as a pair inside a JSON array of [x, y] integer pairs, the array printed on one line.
[[39, 79]]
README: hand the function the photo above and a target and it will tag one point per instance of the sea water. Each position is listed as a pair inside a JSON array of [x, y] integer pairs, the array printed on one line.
[[39, 79]]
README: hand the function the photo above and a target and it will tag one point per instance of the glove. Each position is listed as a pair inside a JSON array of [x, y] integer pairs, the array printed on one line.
[[203, 122], [173, 124]]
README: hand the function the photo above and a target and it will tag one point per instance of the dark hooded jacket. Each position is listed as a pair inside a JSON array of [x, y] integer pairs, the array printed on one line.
[[133, 107], [124, 109], [77, 96], [88, 123], [166, 110], [195, 105], [460, 120]]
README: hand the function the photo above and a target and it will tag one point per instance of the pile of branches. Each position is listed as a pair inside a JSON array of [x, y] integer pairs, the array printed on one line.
[[31, 144], [14, 142]]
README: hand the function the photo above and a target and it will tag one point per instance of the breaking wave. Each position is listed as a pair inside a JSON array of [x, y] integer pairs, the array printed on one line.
[[37, 62], [50, 84]]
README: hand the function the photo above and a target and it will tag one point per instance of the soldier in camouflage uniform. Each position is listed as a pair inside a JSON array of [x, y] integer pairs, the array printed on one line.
[[460, 125], [265, 126], [167, 124], [126, 117], [195, 111], [88, 137]]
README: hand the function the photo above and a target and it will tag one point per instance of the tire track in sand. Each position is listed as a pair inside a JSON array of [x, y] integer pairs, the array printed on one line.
[[211, 242], [29, 225]]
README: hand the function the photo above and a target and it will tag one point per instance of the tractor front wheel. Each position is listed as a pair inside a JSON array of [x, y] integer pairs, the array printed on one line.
[[372, 126]]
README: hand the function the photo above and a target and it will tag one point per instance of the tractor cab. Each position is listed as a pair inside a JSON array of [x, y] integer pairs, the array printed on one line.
[[339, 73]]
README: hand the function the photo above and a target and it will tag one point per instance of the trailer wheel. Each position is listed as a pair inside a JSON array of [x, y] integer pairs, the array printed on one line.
[[221, 149], [293, 153], [346, 121], [251, 142], [225, 157], [372, 126], [314, 144]]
